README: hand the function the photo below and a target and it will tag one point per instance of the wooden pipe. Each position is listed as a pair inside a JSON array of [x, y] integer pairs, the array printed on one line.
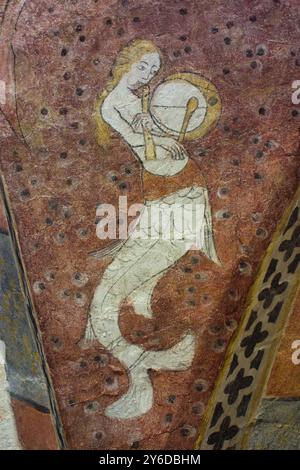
[[150, 152], [191, 107]]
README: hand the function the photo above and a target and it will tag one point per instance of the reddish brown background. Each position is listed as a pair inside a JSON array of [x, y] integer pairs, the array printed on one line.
[[56, 182]]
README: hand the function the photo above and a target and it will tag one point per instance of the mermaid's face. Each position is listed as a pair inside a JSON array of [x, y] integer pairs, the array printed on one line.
[[143, 71]]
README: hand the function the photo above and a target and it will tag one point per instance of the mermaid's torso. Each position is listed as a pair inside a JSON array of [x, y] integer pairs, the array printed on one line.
[[155, 186]]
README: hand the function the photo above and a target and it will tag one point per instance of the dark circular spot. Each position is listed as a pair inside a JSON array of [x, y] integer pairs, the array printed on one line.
[[55, 339], [25, 193], [253, 18], [186, 269], [49, 221], [74, 125], [229, 24], [230, 323], [108, 21], [63, 111], [262, 111], [136, 19], [259, 154], [50, 9], [168, 418], [183, 38], [82, 38], [120, 32], [243, 265], [212, 100], [183, 11], [227, 40], [185, 432], [82, 142], [236, 162], [253, 64], [19, 167], [260, 232], [109, 380], [79, 28], [297, 62], [44, 111], [171, 399], [260, 51], [123, 185], [295, 113], [188, 49], [42, 286], [214, 30], [82, 364], [79, 91], [219, 344], [197, 409], [99, 435], [176, 53], [223, 191], [63, 155], [249, 53], [67, 76], [135, 445], [101, 359], [64, 52], [226, 71]]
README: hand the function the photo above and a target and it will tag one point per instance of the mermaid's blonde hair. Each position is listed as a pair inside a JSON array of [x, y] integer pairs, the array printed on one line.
[[128, 56]]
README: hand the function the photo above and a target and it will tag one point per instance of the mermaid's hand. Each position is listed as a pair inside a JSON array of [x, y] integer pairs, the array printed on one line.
[[176, 150], [142, 120]]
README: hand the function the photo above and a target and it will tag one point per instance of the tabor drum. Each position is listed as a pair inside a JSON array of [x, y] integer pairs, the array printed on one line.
[[185, 106], [170, 100], [169, 104]]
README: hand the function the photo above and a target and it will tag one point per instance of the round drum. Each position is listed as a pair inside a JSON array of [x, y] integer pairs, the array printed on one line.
[[169, 103]]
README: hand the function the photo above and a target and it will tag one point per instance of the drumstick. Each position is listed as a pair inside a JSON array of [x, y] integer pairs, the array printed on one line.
[[150, 153], [191, 107]]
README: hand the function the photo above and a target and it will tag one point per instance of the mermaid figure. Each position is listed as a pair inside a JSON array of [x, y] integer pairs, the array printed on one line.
[[170, 179]]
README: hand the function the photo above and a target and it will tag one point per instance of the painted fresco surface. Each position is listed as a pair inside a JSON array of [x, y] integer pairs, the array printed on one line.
[[164, 103]]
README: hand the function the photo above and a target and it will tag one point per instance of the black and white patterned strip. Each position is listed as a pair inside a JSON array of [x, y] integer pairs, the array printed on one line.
[[252, 351]]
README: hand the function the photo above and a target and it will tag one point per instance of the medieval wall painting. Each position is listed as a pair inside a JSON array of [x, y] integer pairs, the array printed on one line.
[[155, 132], [180, 114]]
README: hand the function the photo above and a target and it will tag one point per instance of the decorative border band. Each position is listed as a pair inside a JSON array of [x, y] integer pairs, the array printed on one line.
[[239, 389]]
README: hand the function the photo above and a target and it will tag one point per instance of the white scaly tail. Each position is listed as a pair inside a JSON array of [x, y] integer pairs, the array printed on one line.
[[133, 274]]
